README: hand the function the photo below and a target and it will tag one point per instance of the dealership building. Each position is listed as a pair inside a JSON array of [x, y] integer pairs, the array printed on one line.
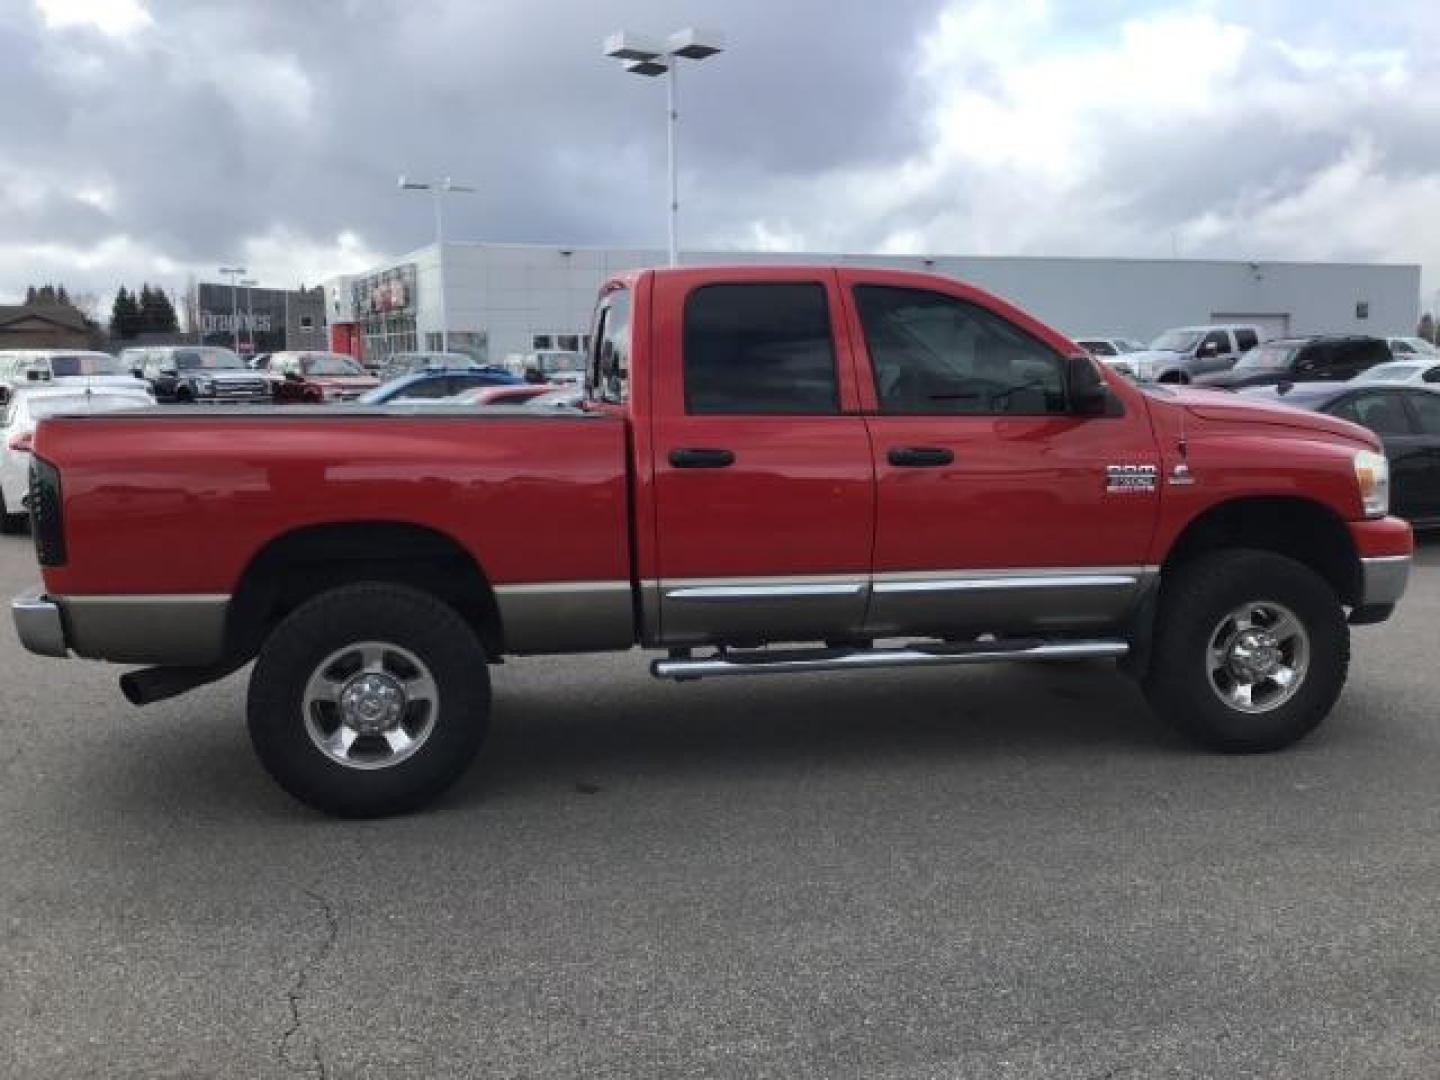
[[256, 319], [503, 299]]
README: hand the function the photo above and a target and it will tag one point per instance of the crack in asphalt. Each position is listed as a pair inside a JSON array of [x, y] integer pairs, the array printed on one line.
[[315, 1066]]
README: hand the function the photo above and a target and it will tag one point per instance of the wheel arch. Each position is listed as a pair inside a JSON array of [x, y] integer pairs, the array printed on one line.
[[1299, 528], [304, 562]]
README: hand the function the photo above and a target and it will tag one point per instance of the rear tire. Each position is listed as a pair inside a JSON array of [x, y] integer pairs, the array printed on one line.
[[1231, 625], [11, 524], [368, 700]]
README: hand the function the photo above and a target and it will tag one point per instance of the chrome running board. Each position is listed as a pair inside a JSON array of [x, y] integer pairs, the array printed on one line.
[[801, 661]]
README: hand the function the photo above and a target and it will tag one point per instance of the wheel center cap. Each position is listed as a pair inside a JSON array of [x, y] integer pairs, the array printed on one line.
[[1254, 655], [372, 703]]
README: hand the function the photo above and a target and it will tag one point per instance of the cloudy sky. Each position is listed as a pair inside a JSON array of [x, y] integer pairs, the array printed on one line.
[[153, 139]]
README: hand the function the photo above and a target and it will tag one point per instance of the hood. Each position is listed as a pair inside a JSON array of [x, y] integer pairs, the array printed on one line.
[[225, 375], [1223, 406], [1233, 378]]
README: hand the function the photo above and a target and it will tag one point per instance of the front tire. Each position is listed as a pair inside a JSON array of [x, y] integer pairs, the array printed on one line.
[[369, 700], [1250, 652]]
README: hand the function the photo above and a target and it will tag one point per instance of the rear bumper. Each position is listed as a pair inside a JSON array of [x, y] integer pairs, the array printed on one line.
[[180, 630], [39, 624]]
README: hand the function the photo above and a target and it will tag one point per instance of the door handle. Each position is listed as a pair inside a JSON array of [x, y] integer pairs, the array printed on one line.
[[701, 457], [919, 457]]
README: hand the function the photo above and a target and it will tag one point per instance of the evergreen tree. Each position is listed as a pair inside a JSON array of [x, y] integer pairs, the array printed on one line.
[[1427, 327], [124, 315], [62, 297], [30, 295], [46, 296], [157, 314], [166, 320]]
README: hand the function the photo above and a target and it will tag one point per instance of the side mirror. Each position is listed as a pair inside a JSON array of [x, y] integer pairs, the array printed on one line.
[[1089, 396]]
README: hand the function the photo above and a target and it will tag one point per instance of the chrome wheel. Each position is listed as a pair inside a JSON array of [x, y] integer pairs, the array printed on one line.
[[1258, 657], [370, 705]]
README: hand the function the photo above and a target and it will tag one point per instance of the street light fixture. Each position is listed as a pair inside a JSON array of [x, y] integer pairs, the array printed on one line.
[[642, 56], [438, 189], [248, 284], [234, 273]]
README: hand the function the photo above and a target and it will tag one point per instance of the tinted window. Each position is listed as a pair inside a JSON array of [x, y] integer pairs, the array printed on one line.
[[933, 353], [1427, 411], [762, 348], [1382, 413], [1246, 339], [1432, 374]]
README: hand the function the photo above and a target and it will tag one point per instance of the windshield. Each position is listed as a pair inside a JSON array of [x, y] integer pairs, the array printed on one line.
[[1177, 340], [1391, 372], [1129, 345], [1267, 358], [88, 363], [207, 359], [41, 407], [330, 364]]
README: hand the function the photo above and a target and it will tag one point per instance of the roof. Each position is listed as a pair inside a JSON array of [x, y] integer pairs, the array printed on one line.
[[69, 317]]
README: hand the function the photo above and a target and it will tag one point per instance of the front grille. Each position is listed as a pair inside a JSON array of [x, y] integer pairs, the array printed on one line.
[[242, 390], [47, 523]]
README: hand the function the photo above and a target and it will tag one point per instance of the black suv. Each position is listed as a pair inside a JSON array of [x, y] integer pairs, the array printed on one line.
[[197, 373], [1327, 358]]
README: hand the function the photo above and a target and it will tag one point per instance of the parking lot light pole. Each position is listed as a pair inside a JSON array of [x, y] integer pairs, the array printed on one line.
[[234, 273], [250, 283], [438, 189], [641, 56]]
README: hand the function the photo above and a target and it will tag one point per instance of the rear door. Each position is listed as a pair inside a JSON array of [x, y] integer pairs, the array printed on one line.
[[998, 509], [763, 484], [1425, 410]]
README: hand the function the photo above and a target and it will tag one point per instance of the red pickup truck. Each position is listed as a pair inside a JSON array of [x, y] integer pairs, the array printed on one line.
[[775, 470]]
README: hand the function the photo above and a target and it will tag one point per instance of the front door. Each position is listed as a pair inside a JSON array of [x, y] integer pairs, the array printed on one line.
[[763, 484], [998, 510]]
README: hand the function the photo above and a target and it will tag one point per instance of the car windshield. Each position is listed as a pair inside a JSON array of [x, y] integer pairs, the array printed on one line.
[[1129, 345], [1177, 340], [208, 360], [86, 363], [330, 364], [1267, 358], [1391, 372], [41, 407]]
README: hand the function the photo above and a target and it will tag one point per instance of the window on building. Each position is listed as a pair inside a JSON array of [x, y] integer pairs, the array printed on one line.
[[542, 341], [759, 349], [307, 322]]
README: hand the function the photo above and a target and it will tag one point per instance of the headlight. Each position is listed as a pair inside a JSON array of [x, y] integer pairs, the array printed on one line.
[[1372, 477]]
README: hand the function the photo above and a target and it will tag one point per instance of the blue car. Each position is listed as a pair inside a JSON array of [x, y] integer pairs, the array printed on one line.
[[438, 383]]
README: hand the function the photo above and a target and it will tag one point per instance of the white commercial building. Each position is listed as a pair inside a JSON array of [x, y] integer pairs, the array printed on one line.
[[502, 299]]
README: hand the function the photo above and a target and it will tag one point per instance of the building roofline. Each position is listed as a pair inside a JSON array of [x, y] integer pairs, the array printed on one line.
[[822, 257]]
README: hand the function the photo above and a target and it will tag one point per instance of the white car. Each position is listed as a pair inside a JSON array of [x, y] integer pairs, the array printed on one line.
[[1412, 346], [17, 431], [1110, 350], [65, 367], [1413, 369]]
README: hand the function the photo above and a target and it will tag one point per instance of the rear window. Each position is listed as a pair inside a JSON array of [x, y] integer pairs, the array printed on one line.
[[86, 364], [762, 348], [1246, 339]]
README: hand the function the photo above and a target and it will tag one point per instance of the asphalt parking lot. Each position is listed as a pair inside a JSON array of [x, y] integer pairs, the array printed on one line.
[[1001, 873]]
